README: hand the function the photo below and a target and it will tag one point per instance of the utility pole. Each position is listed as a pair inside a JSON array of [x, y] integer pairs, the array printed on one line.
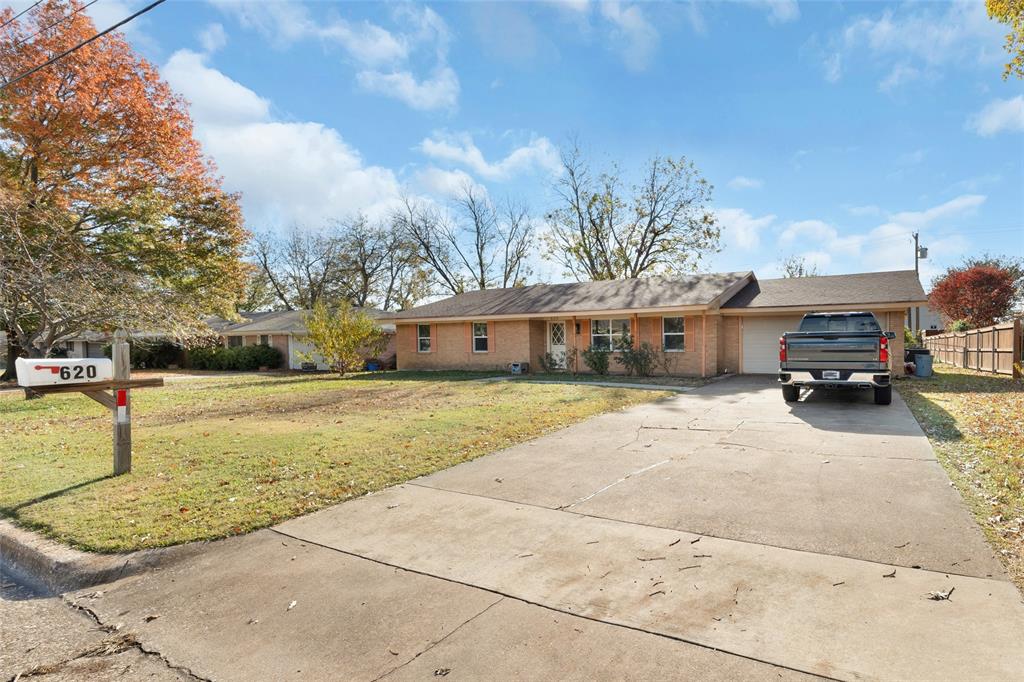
[[919, 253]]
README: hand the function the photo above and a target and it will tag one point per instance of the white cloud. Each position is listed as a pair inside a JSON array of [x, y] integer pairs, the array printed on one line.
[[743, 182], [635, 36], [814, 230], [919, 38], [446, 183], [215, 99], [213, 37], [385, 58], [740, 229], [460, 148], [867, 210], [780, 11], [900, 75], [439, 91], [287, 172], [964, 204], [999, 115], [833, 67]]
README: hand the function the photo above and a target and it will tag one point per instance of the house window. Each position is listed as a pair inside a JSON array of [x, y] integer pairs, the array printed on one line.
[[234, 341], [673, 333], [423, 338], [264, 339], [479, 337], [608, 334]]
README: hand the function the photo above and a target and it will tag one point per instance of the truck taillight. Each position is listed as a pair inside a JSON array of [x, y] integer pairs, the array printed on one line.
[[883, 349], [782, 349]]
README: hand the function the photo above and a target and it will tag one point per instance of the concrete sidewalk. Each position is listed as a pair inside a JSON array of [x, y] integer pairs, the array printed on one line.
[[719, 534]]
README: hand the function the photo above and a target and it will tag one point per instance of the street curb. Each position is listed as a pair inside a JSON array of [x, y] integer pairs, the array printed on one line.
[[49, 566]]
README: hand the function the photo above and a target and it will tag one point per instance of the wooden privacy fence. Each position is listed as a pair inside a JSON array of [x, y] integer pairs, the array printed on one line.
[[996, 349]]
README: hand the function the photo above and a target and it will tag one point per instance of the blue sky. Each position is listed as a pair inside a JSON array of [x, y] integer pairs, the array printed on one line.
[[830, 130]]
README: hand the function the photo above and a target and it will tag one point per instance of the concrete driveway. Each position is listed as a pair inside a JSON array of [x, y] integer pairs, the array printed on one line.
[[719, 534]]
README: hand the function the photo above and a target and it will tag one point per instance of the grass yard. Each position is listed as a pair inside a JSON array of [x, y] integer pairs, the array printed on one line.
[[976, 425], [221, 456]]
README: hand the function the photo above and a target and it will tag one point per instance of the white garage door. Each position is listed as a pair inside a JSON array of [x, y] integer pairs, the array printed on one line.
[[761, 342]]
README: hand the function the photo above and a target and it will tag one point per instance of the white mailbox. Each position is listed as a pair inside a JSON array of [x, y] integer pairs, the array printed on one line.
[[57, 371]]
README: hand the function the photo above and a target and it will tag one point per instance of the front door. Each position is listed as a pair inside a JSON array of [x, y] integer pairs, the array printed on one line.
[[556, 343]]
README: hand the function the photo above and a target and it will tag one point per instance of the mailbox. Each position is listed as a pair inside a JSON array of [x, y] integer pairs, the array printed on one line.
[[57, 371]]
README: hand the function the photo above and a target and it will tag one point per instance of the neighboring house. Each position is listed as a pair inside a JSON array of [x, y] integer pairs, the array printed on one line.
[[930, 320], [87, 344], [285, 330], [707, 324]]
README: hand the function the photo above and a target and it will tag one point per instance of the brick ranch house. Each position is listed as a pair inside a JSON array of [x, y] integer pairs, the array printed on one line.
[[285, 330], [712, 323]]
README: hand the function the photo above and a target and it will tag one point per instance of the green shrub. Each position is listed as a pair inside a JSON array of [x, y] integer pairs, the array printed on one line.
[[151, 354], [236, 358], [548, 363], [636, 361], [960, 326], [596, 359]]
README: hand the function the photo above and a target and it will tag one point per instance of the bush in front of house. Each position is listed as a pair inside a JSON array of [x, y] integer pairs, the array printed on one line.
[[235, 359], [596, 359], [150, 354], [637, 361]]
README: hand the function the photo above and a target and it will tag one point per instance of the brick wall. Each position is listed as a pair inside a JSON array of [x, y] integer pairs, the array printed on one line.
[[526, 340], [451, 346], [729, 345]]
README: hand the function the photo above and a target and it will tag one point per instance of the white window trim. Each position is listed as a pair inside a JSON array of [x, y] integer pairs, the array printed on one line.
[[611, 335], [419, 346], [485, 337], [664, 334]]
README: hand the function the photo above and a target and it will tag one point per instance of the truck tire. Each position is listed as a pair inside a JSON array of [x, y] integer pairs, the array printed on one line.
[[791, 394], [883, 395]]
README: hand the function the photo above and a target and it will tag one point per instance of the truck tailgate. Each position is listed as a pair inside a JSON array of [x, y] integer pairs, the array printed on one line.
[[851, 350]]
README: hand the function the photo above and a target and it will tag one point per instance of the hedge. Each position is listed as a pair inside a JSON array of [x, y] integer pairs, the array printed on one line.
[[237, 358]]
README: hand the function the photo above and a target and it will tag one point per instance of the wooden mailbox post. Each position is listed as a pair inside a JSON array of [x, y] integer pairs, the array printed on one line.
[[94, 377]]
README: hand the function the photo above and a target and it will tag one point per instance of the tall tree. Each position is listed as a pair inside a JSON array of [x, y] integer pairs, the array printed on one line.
[[1011, 13], [980, 294], [797, 266], [428, 230], [602, 230], [302, 267], [477, 246], [99, 162]]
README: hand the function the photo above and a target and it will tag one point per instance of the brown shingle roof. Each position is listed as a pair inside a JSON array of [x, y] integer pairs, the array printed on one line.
[[280, 322], [902, 286], [652, 292]]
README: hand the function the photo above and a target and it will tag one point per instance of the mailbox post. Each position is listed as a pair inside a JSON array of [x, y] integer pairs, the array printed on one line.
[[122, 412], [91, 376]]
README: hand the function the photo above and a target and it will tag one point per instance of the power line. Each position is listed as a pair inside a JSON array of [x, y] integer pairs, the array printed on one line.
[[15, 17], [80, 45], [47, 28]]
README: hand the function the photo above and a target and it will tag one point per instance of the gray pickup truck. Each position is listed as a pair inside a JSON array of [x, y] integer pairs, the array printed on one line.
[[836, 350]]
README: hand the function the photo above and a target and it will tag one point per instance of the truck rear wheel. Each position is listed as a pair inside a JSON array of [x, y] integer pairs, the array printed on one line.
[[791, 394], [883, 395]]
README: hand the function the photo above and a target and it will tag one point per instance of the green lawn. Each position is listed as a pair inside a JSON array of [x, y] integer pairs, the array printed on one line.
[[226, 455], [975, 422]]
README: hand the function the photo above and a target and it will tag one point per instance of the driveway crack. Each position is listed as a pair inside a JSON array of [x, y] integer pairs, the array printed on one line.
[[130, 642], [613, 483], [434, 644]]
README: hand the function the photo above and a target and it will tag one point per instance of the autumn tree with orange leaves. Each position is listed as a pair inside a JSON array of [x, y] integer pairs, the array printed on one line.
[[100, 173]]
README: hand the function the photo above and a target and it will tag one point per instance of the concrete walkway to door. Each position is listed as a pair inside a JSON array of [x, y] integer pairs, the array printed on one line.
[[720, 534]]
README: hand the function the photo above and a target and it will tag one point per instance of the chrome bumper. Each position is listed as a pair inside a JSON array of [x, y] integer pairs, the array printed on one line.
[[855, 380]]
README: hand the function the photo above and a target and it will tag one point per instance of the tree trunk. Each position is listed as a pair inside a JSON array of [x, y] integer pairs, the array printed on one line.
[[13, 353]]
